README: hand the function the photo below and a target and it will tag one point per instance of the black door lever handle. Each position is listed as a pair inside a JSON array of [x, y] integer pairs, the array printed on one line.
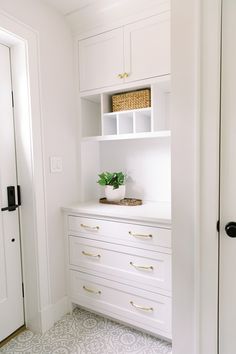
[[12, 199], [10, 208]]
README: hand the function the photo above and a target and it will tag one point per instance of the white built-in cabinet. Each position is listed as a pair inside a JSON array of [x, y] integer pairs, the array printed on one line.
[[120, 267], [134, 52], [119, 258]]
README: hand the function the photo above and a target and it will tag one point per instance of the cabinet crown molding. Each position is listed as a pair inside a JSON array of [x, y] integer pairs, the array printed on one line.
[[102, 16]]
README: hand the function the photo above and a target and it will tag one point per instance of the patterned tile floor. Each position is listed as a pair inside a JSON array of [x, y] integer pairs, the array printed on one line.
[[86, 333]]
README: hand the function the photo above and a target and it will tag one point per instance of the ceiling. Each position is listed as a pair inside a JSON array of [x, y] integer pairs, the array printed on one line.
[[68, 6]]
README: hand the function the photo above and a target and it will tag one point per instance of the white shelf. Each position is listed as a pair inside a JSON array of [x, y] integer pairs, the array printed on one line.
[[143, 122], [148, 109], [99, 123], [157, 212], [127, 122], [109, 125], [148, 135]]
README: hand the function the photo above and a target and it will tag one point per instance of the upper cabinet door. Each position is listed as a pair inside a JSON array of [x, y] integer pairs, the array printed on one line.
[[147, 48], [101, 60]]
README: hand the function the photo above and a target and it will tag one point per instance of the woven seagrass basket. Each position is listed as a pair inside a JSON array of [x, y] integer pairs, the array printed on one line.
[[131, 100]]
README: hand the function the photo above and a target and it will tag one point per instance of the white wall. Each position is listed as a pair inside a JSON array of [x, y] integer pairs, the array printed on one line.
[[147, 164], [58, 107]]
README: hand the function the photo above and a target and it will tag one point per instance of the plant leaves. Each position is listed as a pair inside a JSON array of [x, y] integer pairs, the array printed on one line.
[[114, 179]]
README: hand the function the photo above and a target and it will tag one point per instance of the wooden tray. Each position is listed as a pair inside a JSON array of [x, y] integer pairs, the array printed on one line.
[[124, 202]]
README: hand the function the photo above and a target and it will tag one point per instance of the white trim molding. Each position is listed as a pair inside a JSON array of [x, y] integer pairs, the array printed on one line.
[[54, 313], [185, 141], [23, 42], [105, 15], [195, 173], [209, 175]]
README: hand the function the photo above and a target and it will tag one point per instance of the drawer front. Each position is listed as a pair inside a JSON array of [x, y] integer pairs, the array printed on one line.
[[109, 298], [148, 268], [138, 235]]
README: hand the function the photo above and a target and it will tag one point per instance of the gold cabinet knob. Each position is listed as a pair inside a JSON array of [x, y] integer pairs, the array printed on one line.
[[125, 75], [120, 76]]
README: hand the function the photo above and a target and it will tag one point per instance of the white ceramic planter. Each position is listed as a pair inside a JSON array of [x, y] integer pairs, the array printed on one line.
[[114, 195]]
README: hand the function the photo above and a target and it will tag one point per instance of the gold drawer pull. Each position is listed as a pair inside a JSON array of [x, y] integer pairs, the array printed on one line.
[[140, 235], [141, 267], [141, 307], [125, 75], [89, 227], [120, 76], [92, 291], [91, 254]]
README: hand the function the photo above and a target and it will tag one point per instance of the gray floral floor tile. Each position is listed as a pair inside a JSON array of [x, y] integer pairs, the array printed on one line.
[[86, 333]]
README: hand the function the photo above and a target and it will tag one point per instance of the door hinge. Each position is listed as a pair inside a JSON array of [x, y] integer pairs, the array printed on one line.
[[12, 99], [218, 226], [23, 290]]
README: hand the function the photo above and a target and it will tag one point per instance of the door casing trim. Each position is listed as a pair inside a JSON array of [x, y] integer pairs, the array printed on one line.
[[195, 61], [24, 45], [209, 175]]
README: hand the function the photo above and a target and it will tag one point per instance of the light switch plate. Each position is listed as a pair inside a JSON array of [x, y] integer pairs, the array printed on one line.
[[55, 164]]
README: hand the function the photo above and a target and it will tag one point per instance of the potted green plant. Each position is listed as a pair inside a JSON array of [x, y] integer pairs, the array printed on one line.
[[114, 183]]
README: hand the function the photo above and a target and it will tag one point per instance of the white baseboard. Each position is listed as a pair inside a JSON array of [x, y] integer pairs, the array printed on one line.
[[60, 308], [54, 313], [47, 318]]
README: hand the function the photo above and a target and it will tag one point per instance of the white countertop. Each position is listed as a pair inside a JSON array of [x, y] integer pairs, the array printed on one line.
[[147, 212]]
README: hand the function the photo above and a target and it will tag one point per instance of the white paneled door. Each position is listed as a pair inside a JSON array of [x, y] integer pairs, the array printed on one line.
[[11, 297], [227, 281]]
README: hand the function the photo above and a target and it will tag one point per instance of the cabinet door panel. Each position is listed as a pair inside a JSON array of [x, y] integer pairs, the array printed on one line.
[[147, 47], [101, 60]]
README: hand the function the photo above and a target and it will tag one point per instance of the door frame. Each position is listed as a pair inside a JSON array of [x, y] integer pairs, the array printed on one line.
[[208, 287], [195, 114], [24, 46]]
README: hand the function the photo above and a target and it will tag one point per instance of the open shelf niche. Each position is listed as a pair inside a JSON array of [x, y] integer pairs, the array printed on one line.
[[145, 161], [100, 123], [134, 141]]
